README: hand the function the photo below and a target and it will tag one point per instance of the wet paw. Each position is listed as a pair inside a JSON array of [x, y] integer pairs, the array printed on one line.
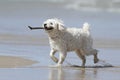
[[56, 66], [96, 60]]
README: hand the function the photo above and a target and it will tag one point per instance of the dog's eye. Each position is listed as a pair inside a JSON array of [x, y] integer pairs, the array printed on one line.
[[51, 23], [45, 25]]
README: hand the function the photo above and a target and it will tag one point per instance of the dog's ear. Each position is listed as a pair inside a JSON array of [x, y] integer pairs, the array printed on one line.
[[60, 26]]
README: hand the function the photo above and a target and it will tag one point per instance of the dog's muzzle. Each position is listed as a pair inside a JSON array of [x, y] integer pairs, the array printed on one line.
[[47, 28]]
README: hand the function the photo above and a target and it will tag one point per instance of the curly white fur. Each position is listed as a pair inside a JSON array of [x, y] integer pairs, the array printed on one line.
[[64, 39]]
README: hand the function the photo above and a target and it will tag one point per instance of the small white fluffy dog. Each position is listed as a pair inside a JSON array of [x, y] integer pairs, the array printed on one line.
[[64, 39]]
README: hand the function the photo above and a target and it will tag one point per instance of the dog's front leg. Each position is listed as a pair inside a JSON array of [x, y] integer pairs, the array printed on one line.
[[52, 53], [62, 57]]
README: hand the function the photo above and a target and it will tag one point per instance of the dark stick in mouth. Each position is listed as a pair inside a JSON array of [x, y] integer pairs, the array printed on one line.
[[31, 28]]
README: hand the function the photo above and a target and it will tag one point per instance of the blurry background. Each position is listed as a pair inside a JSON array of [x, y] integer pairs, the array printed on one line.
[[16, 15]]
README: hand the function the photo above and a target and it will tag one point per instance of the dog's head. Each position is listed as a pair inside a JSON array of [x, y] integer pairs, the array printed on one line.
[[51, 25]]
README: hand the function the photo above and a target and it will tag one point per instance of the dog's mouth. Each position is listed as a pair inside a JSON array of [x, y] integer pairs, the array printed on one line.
[[48, 28]]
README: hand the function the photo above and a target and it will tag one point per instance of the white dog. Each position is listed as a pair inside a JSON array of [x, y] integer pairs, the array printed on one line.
[[64, 39]]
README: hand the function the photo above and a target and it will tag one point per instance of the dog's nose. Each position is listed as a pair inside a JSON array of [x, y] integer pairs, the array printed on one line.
[[45, 25]]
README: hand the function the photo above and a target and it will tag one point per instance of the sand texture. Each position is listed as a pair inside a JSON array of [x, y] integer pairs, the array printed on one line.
[[14, 62]]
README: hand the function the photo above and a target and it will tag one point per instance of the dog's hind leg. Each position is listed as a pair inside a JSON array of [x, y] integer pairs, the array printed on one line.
[[52, 53], [96, 58], [80, 55]]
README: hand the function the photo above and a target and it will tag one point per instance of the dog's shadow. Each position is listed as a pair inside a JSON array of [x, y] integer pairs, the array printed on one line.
[[97, 66], [100, 64]]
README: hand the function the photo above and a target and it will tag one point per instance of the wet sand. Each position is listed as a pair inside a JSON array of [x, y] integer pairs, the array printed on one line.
[[27, 57], [43, 73]]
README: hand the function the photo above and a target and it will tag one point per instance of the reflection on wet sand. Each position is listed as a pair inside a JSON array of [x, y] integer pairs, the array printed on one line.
[[72, 74]]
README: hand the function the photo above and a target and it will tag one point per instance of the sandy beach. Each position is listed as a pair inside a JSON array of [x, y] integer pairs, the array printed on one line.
[[14, 62]]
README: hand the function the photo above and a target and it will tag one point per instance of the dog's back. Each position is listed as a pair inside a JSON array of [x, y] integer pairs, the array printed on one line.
[[76, 38]]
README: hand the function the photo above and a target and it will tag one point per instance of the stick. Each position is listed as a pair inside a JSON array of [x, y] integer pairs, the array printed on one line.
[[31, 28]]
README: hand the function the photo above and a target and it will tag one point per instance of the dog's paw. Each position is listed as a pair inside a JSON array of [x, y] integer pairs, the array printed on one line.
[[96, 60], [56, 66]]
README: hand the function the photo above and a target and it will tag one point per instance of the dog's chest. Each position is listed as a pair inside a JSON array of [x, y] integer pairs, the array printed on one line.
[[69, 43], [56, 43]]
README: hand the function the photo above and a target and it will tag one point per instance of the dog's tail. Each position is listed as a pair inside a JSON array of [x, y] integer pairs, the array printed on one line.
[[86, 27]]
